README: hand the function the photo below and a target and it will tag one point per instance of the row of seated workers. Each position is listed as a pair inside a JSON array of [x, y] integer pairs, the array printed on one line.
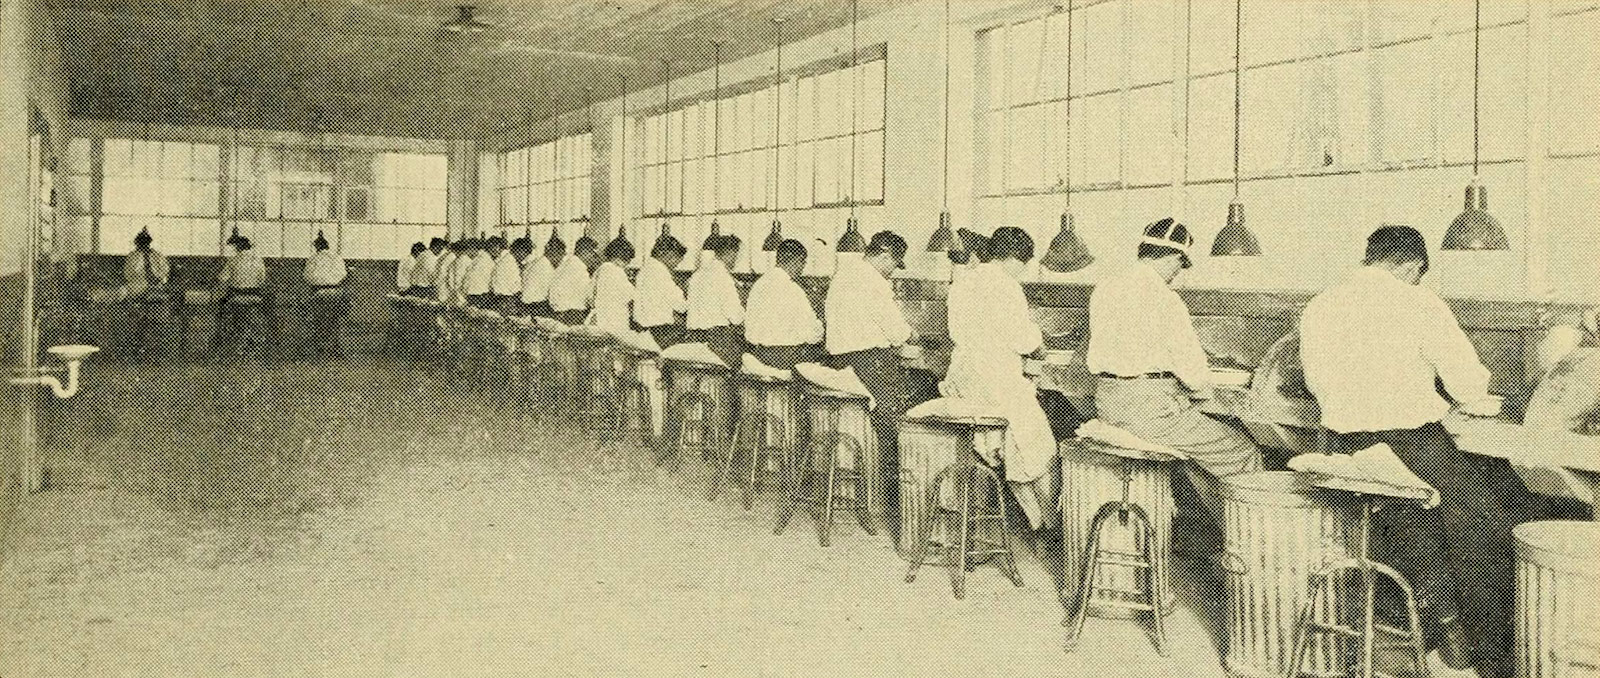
[[245, 310], [1374, 347]]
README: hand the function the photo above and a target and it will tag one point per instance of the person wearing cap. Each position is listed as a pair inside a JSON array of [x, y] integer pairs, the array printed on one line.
[[144, 274], [865, 330], [1152, 371], [1375, 348], [659, 306], [537, 272], [477, 279], [426, 269], [781, 325], [325, 273], [613, 292], [571, 287], [993, 331], [716, 313]]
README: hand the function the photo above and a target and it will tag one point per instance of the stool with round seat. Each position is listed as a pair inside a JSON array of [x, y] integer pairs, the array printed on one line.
[[639, 381], [595, 393], [245, 320], [847, 455], [1120, 558], [698, 404], [765, 428], [949, 496]]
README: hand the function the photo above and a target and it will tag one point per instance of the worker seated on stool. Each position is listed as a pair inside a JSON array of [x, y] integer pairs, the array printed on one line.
[[477, 284], [442, 291], [1374, 347], [659, 306], [993, 330], [613, 292], [426, 269], [144, 274], [537, 272], [571, 287], [780, 325], [1152, 371], [507, 282], [716, 314], [403, 268], [865, 330], [325, 273], [242, 276]]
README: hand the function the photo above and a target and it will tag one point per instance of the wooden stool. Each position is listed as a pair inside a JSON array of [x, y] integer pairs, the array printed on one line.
[[639, 380], [1149, 558], [827, 441], [1327, 585], [961, 474], [598, 398], [699, 390], [765, 428]]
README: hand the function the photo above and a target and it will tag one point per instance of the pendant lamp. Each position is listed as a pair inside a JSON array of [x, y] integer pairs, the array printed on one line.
[[1066, 253], [852, 241], [1475, 228], [775, 237], [1235, 239], [942, 239]]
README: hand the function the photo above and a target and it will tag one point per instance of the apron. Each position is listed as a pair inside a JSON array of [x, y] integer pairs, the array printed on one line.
[[1030, 444]]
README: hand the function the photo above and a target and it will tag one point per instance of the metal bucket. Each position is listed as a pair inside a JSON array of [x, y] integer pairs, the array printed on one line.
[[1279, 531], [840, 426], [767, 405], [1090, 479], [1558, 581], [698, 393]]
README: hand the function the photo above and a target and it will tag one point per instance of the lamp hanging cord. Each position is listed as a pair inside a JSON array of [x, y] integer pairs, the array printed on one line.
[[1067, 126], [1477, 28], [716, 133], [1238, 70], [777, 124], [666, 131], [622, 184], [855, 91], [945, 168]]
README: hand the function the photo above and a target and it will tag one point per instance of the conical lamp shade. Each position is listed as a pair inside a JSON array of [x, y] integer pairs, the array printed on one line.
[[1235, 239], [774, 238], [555, 239], [1475, 228], [621, 235], [852, 241], [942, 239], [1067, 252], [233, 238], [716, 232], [666, 238]]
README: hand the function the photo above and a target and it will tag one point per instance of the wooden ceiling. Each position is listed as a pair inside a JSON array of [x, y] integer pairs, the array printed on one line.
[[386, 67]]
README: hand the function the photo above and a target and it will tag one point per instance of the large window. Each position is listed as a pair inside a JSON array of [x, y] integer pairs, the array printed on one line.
[[546, 185], [678, 168], [170, 188]]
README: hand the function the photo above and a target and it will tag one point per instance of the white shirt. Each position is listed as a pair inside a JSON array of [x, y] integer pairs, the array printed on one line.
[[657, 298], [425, 270], [570, 287], [613, 294], [536, 275], [324, 269], [133, 271], [780, 313], [478, 274], [1372, 346], [860, 310], [1138, 325], [507, 278], [988, 315], [246, 271], [402, 271], [713, 298]]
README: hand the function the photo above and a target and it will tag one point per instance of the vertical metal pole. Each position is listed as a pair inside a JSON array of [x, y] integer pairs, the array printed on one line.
[[1368, 584], [30, 466]]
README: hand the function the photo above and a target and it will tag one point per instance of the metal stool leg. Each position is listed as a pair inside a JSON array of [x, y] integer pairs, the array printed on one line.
[[958, 568], [1091, 569], [825, 514]]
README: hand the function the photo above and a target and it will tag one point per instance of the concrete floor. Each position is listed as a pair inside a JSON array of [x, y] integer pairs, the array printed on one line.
[[367, 518]]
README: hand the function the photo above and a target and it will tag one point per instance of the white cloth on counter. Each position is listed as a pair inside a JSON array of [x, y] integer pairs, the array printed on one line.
[[749, 364], [641, 341], [780, 313], [955, 408], [845, 380], [657, 299], [860, 310], [1098, 430], [1139, 325], [1375, 470], [1372, 347], [692, 352]]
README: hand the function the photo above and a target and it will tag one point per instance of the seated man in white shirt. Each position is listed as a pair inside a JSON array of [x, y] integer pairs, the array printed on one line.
[[1375, 347], [426, 269], [403, 267], [505, 282], [1152, 370], [716, 314], [865, 330], [144, 275], [477, 283], [780, 324], [613, 292], [442, 290], [537, 272], [325, 272], [659, 306], [571, 286]]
